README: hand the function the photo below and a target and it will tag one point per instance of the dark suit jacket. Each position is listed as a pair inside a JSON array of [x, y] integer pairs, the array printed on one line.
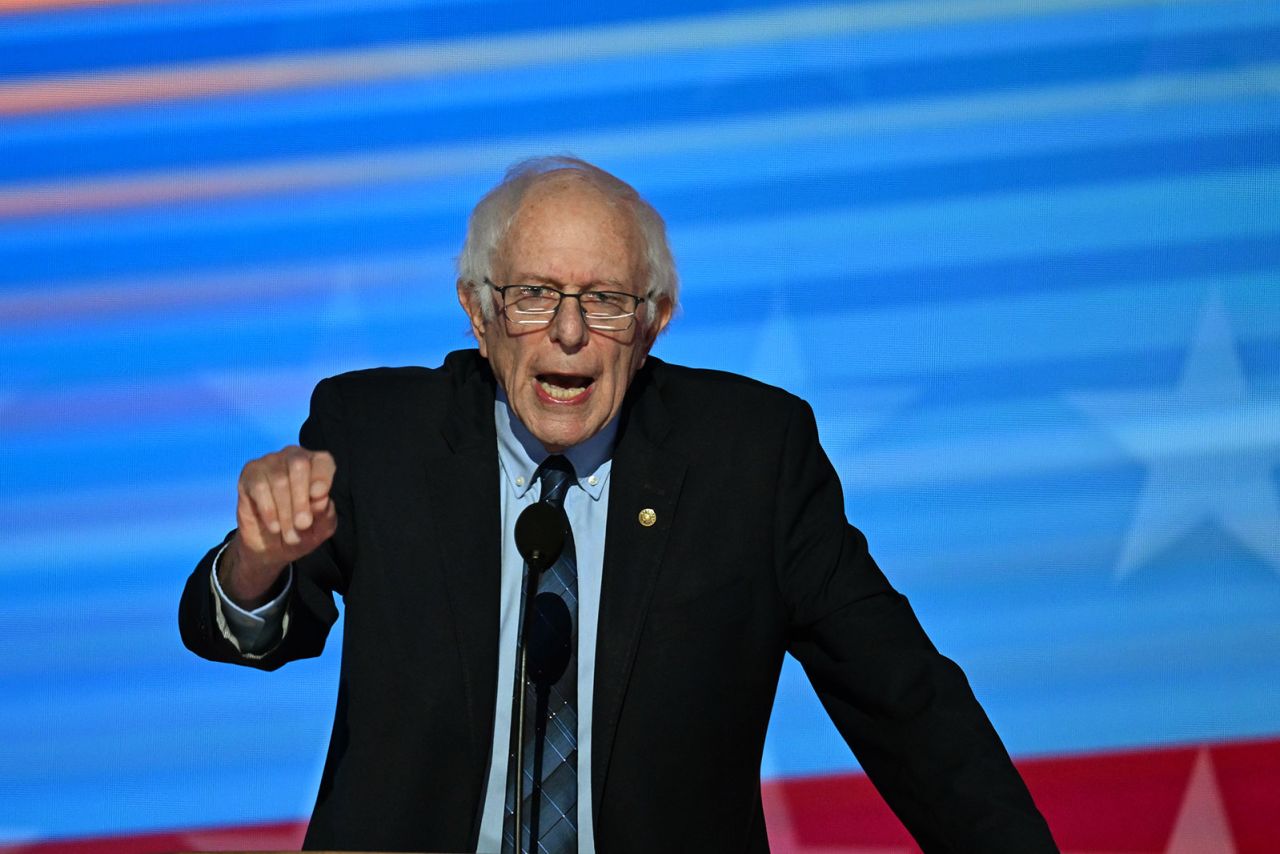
[[750, 557]]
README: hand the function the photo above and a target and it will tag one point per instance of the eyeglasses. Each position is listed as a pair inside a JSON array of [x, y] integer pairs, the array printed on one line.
[[536, 305]]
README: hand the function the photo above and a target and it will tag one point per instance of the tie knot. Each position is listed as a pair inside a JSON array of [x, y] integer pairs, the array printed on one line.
[[556, 473]]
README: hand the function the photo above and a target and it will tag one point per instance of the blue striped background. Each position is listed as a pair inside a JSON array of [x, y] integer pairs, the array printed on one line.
[[1024, 260]]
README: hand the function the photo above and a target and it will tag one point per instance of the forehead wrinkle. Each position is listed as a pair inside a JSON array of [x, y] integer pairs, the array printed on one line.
[[567, 201]]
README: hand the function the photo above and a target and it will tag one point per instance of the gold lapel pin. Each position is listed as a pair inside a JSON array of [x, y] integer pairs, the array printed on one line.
[[648, 517]]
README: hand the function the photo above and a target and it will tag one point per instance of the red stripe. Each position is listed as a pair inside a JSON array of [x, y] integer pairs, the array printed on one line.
[[1205, 798], [280, 836]]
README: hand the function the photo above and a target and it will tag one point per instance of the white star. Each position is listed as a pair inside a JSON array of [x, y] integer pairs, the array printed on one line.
[[273, 403], [1202, 821], [844, 418], [1201, 825], [779, 357], [1209, 445]]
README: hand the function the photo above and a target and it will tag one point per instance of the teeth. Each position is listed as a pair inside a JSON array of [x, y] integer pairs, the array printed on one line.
[[560, 393]]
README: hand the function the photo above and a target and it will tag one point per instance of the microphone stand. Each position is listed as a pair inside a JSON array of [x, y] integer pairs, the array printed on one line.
[[526, 629], [540, 535], [543, 692]]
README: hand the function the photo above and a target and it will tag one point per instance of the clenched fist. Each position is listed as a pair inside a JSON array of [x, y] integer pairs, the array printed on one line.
[[284, 512]]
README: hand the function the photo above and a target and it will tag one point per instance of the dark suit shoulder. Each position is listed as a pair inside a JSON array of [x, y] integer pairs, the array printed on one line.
[[415, 393], [712, 396], [460, 367], [379, 386]]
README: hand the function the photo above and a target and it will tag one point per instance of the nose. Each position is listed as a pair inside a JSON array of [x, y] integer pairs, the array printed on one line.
[[569, 326]]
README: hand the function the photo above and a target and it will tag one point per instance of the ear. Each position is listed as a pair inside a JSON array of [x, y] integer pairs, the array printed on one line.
[[654, 329], [469, 299], [665, 310]]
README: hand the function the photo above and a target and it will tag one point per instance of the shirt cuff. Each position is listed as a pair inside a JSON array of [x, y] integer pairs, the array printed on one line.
[[253, 633]]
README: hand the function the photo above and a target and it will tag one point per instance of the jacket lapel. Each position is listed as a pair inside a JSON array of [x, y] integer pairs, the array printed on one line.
[[463, 487], [644, 477]]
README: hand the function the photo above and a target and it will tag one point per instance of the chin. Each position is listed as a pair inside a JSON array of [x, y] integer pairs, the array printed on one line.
[[558, 441], [562, 435]]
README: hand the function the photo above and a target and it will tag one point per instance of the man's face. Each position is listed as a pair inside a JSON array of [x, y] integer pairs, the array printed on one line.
[[564, 381]]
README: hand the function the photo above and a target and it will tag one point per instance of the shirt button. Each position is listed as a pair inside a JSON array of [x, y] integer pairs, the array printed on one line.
[[519, 481], [593, 480]]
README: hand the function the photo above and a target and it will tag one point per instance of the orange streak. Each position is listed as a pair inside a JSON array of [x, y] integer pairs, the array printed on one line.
[[204, 184], [54, 5], [82, 91], [85, 90], [55, 199], [171, 292]]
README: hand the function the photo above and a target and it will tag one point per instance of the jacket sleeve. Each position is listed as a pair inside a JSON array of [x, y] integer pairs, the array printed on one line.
[[905, 710], [310, 611]]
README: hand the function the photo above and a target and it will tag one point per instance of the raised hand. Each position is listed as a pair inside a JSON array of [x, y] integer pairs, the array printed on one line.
[[283, 512]]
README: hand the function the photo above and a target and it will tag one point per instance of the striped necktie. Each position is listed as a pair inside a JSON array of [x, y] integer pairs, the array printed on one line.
[[551, 698]]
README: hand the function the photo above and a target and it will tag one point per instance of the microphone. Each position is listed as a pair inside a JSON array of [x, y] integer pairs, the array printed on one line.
[[541, 532], [550, 640], [540, 535]]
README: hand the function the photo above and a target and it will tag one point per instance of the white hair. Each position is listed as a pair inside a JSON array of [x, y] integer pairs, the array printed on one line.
[[492, 217]]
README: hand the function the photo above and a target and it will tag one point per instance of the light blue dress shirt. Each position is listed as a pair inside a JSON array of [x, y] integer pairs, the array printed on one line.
[[519, 455]]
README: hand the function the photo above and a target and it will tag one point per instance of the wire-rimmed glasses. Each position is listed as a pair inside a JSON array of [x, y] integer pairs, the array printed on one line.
[[535, 305]]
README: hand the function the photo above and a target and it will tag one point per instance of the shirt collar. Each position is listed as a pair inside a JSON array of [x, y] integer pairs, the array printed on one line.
[[520, 453]]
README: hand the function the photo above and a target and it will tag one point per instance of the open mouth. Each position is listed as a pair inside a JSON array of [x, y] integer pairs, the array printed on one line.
[[564, 387]]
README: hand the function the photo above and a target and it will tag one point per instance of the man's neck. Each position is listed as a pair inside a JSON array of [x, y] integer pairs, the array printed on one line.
[[585, 456]]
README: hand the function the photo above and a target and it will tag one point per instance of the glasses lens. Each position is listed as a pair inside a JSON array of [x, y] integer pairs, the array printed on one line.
[[609, 310], [532, 305], [615, 324], [606, 304]]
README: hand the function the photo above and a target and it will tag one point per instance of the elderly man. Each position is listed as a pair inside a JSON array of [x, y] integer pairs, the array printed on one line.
[[706, 539]]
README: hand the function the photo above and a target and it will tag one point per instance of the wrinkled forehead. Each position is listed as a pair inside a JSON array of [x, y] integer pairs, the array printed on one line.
[[563, 212]]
